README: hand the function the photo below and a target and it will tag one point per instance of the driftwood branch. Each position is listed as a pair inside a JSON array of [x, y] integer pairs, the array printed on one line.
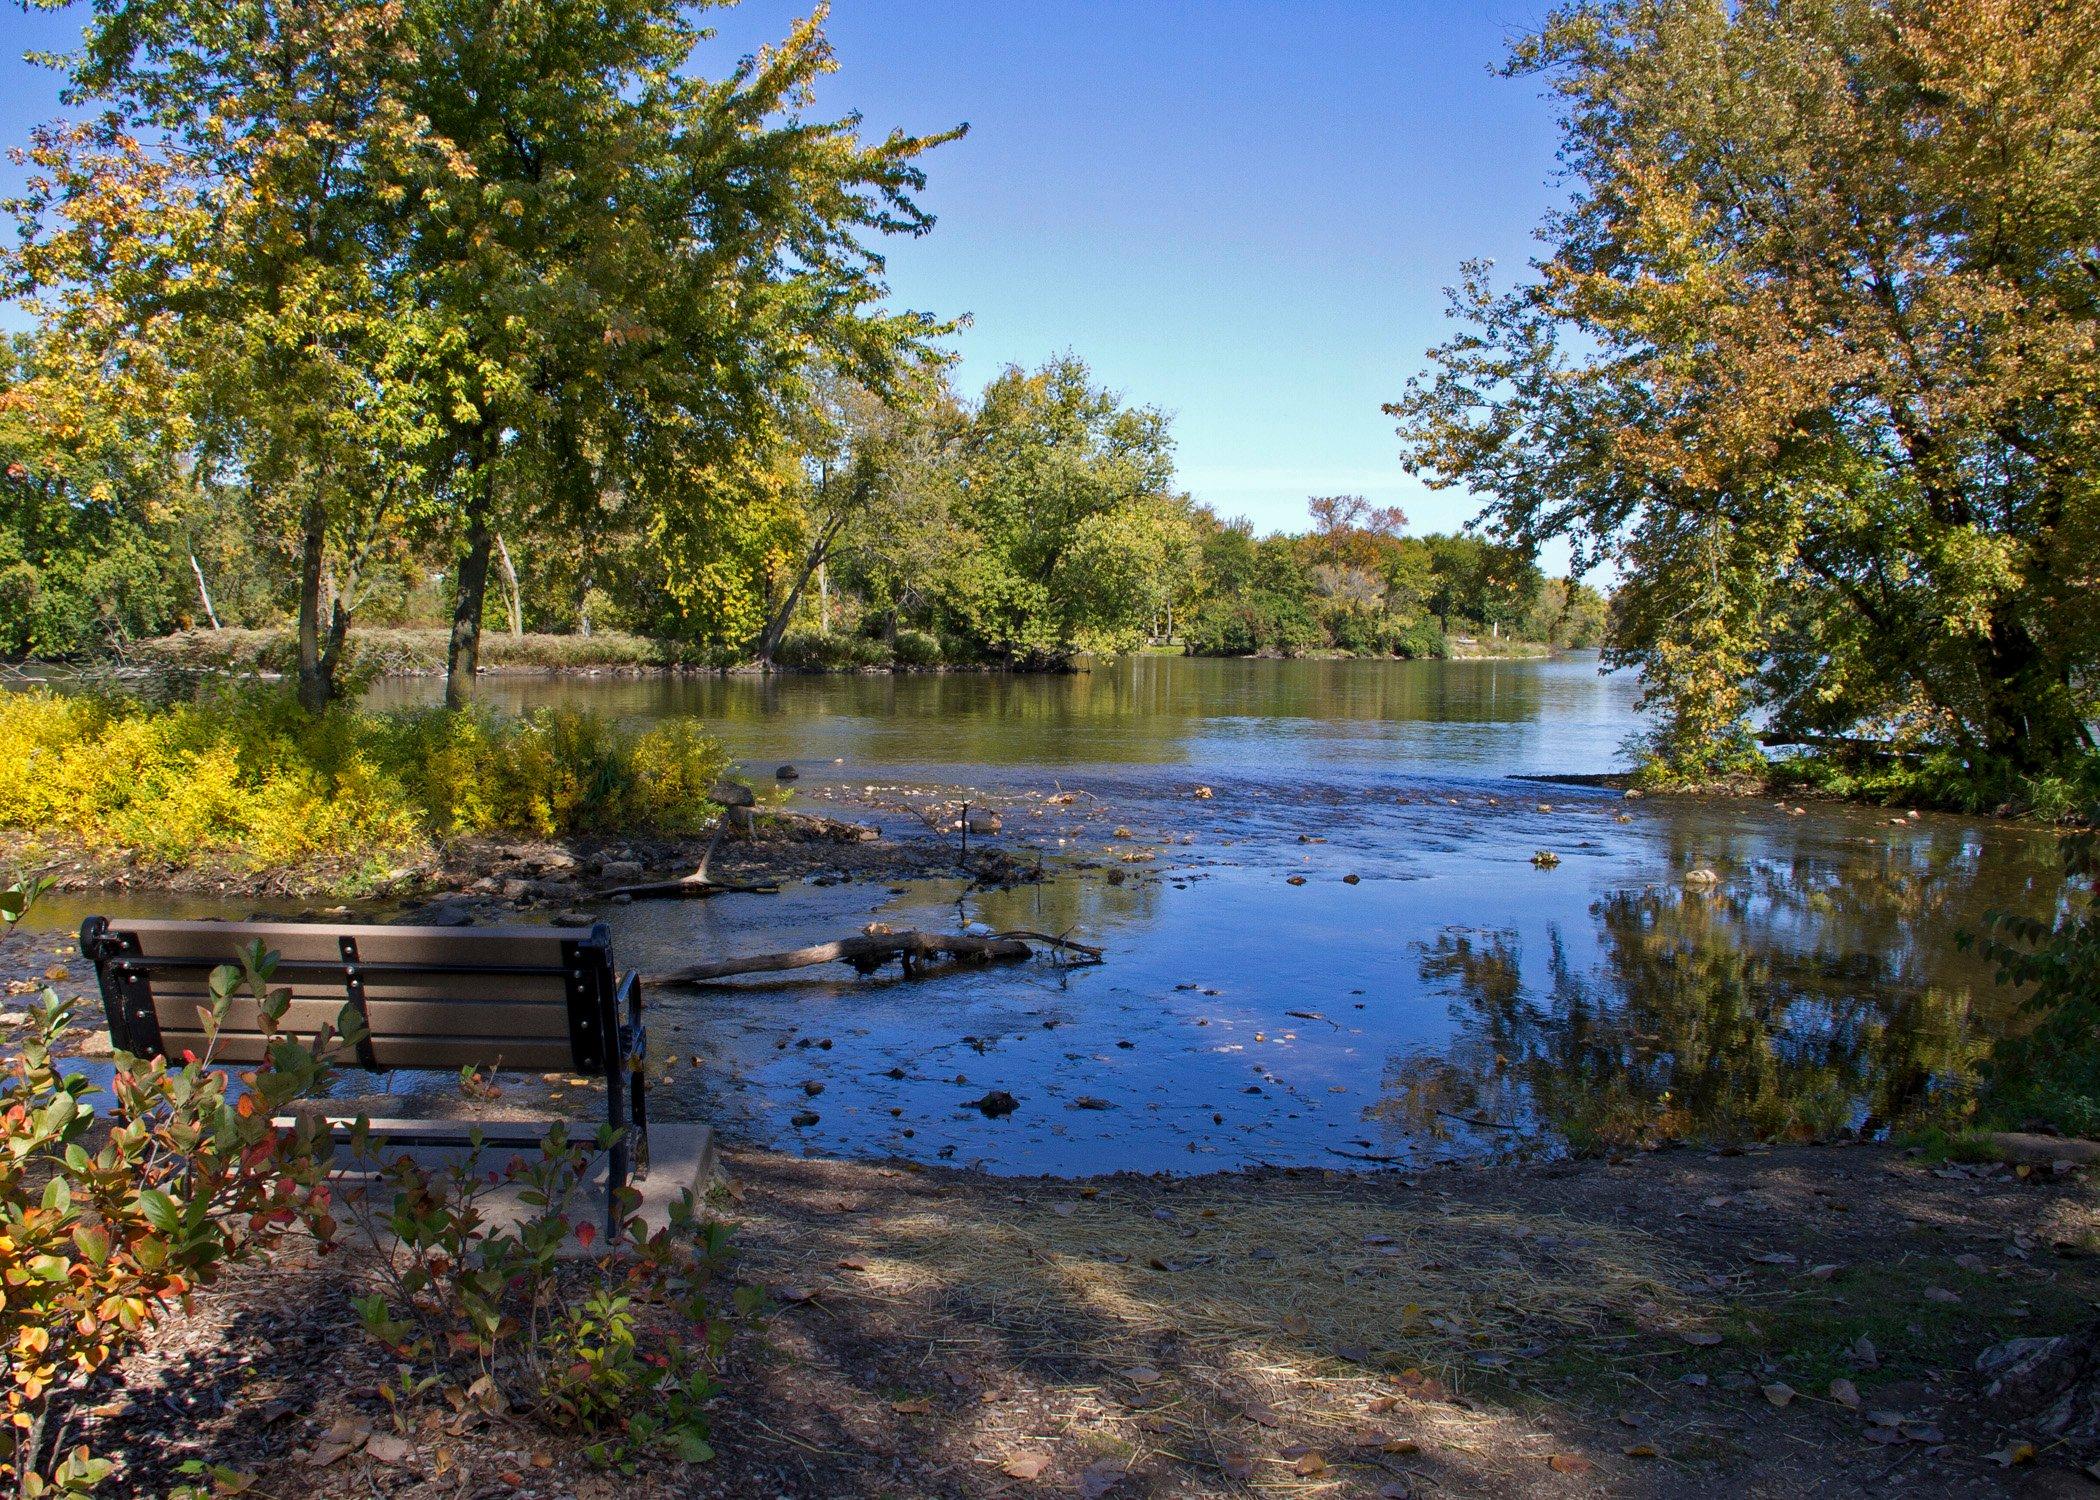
[[688, 888], [866, 954], [1086, 951]]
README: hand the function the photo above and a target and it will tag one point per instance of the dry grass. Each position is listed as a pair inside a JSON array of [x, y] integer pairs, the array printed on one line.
[[1291, 1273]]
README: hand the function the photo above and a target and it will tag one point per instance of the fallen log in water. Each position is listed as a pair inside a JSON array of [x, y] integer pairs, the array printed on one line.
[[866, 954], [687, 888]]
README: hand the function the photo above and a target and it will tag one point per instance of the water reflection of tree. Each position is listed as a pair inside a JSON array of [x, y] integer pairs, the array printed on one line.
[[1696, 1025]]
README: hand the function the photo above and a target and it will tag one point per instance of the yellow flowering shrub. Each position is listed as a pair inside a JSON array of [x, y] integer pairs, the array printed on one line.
[[247, 778]]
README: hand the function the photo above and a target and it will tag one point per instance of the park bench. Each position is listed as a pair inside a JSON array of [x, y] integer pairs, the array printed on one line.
[[539, 998]]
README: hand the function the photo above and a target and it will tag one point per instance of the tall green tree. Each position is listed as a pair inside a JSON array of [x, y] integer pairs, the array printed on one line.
[[1059, 477], [1810, 359]]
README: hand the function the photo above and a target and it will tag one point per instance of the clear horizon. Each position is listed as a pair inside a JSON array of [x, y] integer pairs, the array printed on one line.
[[1244, 218]]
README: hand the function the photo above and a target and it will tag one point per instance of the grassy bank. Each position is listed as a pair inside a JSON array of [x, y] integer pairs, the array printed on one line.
[[381, 649], [243, 779]]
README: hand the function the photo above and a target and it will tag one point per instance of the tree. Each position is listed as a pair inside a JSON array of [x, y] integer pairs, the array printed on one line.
[[497, 260], [1350, 527], [221, 227], [688, 248], [1053, 469], [1810, 359]]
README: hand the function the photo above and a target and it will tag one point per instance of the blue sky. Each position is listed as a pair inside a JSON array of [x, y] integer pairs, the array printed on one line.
[[1241, 211]]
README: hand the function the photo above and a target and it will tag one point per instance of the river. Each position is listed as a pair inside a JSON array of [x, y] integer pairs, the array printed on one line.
[[1453, 999]]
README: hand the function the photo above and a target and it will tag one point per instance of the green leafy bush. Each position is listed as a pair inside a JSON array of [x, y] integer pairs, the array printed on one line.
[[829, 651], [244, 776], [916, 648], [622, 1350], [101, 1232], [1422, 640]]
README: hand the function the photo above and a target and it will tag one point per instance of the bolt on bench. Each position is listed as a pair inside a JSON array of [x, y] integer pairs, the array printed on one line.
[[537, 998]]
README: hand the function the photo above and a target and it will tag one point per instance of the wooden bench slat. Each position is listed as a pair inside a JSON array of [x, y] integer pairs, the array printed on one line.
[[517, 989], [398, 1018], [525, 1053], [218, 942]]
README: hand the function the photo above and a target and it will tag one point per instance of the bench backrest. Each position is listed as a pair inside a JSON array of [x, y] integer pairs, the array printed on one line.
[[432, 997]]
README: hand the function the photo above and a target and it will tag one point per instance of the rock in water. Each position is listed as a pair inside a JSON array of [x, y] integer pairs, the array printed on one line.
[[786, 773], [998, 1102], [983, 820]]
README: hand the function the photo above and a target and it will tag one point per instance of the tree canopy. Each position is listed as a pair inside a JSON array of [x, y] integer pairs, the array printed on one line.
[[1808, 359]]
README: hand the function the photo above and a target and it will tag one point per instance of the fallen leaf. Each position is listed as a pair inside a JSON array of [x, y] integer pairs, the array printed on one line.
[[1640, 1450], [1025, 1465], [1237, 1466], [1824, 1272], [1941, 1294], [1569, 1463], [343, 1438], [1774, 1258], [1260, 1415], [389, 1449], [2012, 1454], [1309, 1464], [1864, 1352], [912, 1406], [1845, 1393], [1141, 1375], [796, 1293], [1699, 1338], [1779, 1393]]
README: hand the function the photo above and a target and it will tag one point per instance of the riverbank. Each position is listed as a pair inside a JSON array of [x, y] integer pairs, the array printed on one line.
[[421, 652], [513, 874], [1772, 1322]]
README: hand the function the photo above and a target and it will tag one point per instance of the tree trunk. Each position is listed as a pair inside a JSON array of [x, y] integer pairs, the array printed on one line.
[[203, 592], [2029, 717], [463, 657], [316, 675], [511, 595], [769, 639]]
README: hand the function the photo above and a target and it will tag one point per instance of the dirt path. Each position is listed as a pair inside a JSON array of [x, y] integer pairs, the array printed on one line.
[[1668, 1324]]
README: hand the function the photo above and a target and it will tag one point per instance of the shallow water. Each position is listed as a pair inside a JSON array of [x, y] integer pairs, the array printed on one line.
[[1455, 1000]]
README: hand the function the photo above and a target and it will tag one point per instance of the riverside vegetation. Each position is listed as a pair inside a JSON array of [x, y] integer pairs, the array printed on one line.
[[245, 778]]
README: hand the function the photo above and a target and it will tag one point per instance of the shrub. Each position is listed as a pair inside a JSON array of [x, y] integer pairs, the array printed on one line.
[[1422, 640], [245, 775], [622, 1351], [98, 1238], [829, 651], [916, 648]]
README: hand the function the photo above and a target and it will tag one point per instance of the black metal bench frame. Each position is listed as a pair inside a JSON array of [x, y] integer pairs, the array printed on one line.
[[607, 1038]]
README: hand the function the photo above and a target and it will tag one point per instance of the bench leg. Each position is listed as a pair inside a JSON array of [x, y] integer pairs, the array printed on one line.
[[616, 1169]]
